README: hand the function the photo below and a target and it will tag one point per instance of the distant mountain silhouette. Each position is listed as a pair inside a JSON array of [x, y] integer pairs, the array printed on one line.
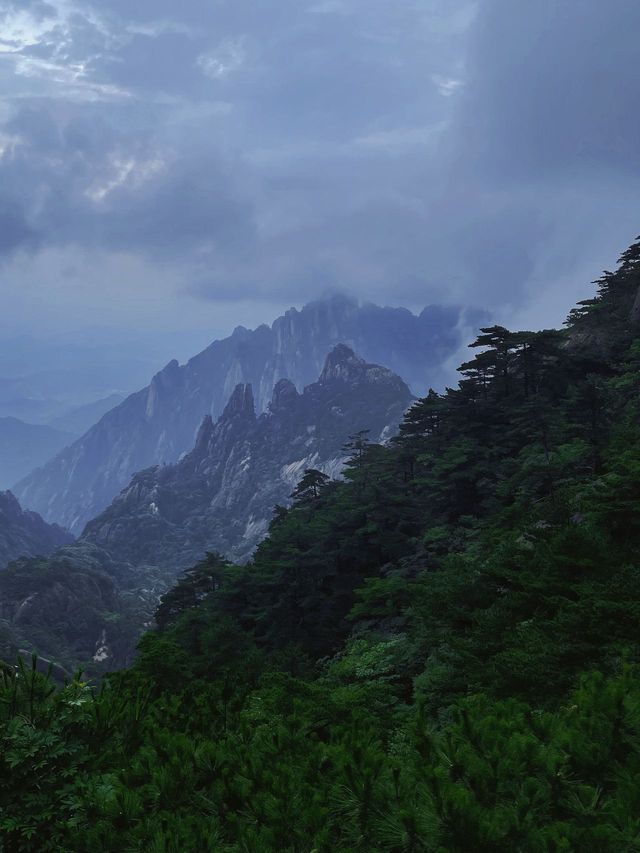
[[24, 447], [25, 534], [160, 422]]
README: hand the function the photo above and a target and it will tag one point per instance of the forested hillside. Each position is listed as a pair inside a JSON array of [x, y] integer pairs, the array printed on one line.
[[438, 654]]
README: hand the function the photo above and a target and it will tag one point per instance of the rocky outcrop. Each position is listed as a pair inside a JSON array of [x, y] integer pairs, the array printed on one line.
[[221, 495], [158, 424], [25, 534]]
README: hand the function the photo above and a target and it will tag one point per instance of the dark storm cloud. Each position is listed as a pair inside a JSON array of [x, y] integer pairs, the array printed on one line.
[[225, 135], [542, 157], [83, 178], [556, 91], [405, 151]]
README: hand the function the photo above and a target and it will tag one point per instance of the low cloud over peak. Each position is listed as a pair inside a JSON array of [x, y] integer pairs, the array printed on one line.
[[476, 152]]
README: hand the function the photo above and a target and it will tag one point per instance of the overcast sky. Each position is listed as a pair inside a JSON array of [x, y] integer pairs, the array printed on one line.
[[172, 169]]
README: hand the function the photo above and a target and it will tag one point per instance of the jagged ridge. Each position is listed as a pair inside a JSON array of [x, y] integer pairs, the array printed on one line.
[[159, 423], [221, 495]]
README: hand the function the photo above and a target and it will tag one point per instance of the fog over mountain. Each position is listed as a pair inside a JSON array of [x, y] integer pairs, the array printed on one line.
[[221, 496], [24, 447], [320, 382], [25, 534], [168, 171], [78, 420], [159, 423]]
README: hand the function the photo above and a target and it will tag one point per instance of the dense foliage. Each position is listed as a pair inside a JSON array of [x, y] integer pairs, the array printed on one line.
[[439, 653], [66, 604]]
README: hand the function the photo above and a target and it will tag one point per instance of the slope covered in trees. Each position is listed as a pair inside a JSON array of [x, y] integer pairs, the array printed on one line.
[[439, 653]]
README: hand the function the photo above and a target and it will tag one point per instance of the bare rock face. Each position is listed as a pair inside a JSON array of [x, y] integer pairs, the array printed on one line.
[[25, 534], [221, 495], [158, 424]]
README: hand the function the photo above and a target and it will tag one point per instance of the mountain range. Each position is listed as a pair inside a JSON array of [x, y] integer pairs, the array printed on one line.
[[437, 652], [218, 497], [159, 423], [26, 446], [221, 495], [79, 419]]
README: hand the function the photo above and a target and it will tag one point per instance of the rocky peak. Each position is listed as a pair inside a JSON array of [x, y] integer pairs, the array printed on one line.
[[284, 396], [9, 506], [164, 384], [240, 404], [221, 496], [343, 365], [204, 433], [168, 376], [241, 333], [157, 424]]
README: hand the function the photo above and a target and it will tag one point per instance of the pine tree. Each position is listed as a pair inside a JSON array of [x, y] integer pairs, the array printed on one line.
[[309, 487]]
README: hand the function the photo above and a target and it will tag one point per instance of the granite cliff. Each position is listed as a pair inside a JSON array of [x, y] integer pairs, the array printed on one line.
[[159, 423], [221, 495]]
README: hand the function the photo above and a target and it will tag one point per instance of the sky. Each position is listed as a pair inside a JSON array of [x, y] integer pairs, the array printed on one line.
[[170, 170]]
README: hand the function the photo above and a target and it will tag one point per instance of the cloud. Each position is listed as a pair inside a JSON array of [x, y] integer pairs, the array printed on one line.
[[223, 60], [541, 161], [178, 166], [447, 86], [478, 152], [551, 89]]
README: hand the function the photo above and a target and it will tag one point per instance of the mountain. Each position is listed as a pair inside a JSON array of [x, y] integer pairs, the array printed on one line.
[[221, 495], [24, 408], [87, 603], [160, 422], [81, 418], [24, 533], [24, 447], [440, 652]]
